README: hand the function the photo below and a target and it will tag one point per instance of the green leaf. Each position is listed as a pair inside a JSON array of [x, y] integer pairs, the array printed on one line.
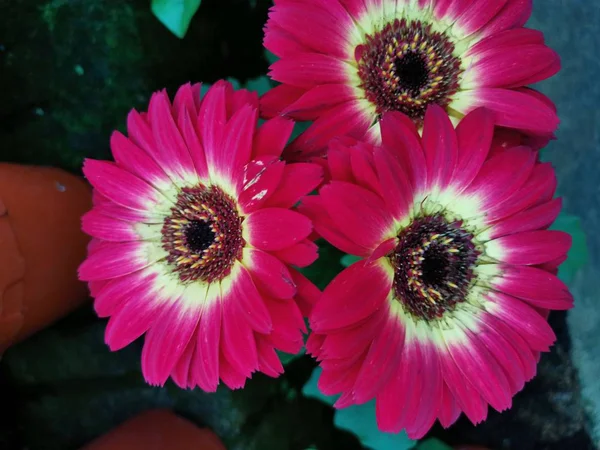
[[578, 254], [432, 444], [287, 358], [259, 84], [299, 128], [359, 420], [348, 260], [270, 57], [176, 15], [324, 269]]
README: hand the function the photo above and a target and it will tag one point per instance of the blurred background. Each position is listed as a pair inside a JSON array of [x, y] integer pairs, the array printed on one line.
[[70, 70]]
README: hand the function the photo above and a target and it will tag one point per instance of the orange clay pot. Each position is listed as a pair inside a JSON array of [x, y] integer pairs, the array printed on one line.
[[41, 246], [157, 429]]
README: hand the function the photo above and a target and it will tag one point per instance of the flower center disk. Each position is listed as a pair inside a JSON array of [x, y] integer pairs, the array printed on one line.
[[433, 266], [203, 234], [406, 66]]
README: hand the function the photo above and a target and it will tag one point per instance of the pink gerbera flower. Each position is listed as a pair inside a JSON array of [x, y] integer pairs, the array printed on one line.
[[446, 312], [344, 63], [194, 237]]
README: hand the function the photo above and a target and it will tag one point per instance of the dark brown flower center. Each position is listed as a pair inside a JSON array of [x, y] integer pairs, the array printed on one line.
[[407, 66], [203, 234], [433, 266]]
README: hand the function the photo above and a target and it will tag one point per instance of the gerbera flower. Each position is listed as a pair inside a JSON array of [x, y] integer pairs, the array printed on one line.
[[446, 312], [194, 236], [344, 63]]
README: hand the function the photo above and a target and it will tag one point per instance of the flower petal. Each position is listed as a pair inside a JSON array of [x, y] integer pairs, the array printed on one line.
[[271, 137], [276, 228], [359, 212], [269, 273], [535, 286], [528, 248], [355, 294], [302, 254], [512, 108], [298, 180], [166, 341]]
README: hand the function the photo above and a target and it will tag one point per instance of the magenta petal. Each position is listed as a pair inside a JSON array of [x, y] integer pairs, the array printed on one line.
[[526, 357], [109, 179], [483, 371], [276, 228], [396, 187], [166, 340], [345, 119], [211, 121], [271, 137], [250, 303], [524, 320], [238, 99], [302, 254], [350, 343], [338, 160], [96, 286], [477, 14], [131, 319], [320, 27], [313, 208], [517, 66], [502, 175], [188, 126], [430, 400], [363, 168], [536, 218], [353, 295], [205, 363], [114, 260], [515, 109], [237, 143], [107, 228], [298, 180], [274, 101], [116, 291], [268, 361], [465, 395], [260, 182], [280, 42], [380, 363], [474, 133], [230, 375], [394, 402], [237, 339], [270, 274], [320, 98], [309, 69], [170, 144], [385, 248], [135, 160], [307, 294], [440, 146], [514, 14], [288, 325], [181, 373], [506, 355], [538, 189], [185, 100], [403, 142], [449, 411], [529, 248], [359, 212], [537, 287]]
